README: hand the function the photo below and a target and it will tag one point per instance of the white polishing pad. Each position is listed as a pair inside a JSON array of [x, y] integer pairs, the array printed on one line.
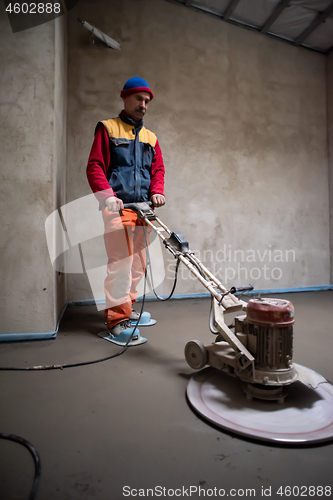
[[306, 416]]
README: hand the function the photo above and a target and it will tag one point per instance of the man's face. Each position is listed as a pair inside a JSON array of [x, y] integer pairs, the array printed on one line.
[[135, 105]]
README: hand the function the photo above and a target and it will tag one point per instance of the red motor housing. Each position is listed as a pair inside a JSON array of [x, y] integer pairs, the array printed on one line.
[[270, 312]]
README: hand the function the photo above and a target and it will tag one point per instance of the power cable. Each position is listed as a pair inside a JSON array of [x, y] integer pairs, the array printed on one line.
[[163, 299], [35, 456], [85, 363], [26, 443]]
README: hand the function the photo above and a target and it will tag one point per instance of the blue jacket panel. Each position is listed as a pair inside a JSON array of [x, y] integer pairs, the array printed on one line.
[[131, 155]]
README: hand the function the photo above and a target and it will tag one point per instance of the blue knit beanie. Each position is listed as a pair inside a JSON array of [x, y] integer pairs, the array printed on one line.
[[136, 84]]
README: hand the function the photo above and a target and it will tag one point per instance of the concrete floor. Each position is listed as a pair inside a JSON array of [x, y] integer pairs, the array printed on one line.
[[126, 422]]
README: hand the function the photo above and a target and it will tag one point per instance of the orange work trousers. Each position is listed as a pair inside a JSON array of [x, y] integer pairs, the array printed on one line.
[[125, 239]]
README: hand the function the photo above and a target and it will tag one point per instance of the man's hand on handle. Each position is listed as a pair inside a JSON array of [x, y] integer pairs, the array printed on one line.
[[158, 200], [114, 204]]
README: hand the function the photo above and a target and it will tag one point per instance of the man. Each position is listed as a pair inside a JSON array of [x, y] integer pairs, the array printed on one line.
[[125, 165]]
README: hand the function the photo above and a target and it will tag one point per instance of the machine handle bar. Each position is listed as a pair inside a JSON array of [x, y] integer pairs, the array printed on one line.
[[136, 204]]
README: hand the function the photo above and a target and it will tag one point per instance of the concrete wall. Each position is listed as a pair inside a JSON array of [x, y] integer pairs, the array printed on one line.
[[31, 152], [241, 121], [330, 145]]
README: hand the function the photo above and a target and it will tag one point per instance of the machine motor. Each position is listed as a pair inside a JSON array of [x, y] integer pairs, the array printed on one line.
[[269, 328]]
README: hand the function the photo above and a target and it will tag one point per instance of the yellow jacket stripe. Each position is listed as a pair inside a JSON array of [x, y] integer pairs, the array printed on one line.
[[117, 129]]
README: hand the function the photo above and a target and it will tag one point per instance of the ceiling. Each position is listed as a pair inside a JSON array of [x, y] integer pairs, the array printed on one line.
[[304, 23]]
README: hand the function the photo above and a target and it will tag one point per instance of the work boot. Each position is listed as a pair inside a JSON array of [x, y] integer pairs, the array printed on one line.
[[145, 319], [121, 327], [134, 315]]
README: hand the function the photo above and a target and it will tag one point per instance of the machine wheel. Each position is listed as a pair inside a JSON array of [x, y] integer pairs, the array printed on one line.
[[196, 354]]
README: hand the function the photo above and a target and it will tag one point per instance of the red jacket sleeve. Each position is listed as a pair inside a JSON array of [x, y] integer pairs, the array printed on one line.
[[98, 164], [157, 172]]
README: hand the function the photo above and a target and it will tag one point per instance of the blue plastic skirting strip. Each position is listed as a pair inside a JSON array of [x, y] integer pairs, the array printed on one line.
[[293, 290], [13, 337], [10, 337], [253, 292], [89, 302]]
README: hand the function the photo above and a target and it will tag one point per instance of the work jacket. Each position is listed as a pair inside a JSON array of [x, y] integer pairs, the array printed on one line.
[[125, 161]]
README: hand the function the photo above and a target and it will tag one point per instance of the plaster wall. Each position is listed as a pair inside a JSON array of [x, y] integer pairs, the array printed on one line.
[[29, 157], [241, 120], [330, 145]]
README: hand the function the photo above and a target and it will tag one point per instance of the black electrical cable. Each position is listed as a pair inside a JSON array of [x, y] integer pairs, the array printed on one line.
[[211, 316], [195, 263], [163, 299], [26, 443], [85, 363], [35, 456], [125, 347], [233, 290], [189, 256]]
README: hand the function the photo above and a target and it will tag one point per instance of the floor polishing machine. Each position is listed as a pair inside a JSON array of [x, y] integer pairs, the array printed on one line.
[[252, 387]]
